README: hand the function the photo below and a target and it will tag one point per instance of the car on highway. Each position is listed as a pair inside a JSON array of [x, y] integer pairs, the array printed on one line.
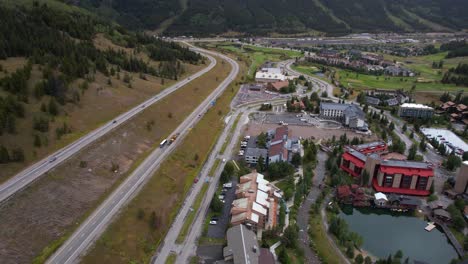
[[115, 121], [53, 159], [213, 222]]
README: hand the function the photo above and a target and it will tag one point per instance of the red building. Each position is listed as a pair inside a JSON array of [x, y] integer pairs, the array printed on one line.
[[388, 175]]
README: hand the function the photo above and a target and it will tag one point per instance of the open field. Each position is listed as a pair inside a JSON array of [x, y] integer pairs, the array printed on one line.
[[257, 55], [129, 239], [99, 103], [55, 205]]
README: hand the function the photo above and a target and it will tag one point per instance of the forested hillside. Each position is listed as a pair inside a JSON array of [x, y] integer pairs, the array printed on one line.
[[49, 60], [292, 16]]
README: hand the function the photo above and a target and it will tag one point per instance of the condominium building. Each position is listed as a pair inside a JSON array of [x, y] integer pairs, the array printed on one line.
[[415, 111], [256, 204]]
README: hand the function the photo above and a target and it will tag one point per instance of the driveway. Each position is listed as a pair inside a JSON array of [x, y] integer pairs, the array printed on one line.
[[219, 230]]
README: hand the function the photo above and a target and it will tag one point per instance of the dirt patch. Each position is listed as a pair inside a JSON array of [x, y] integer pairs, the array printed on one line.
[[55, 204], [307, 131], [428, 97]]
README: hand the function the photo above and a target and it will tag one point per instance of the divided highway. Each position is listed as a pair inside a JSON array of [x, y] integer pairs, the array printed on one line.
[[33, 172], [95, 224]]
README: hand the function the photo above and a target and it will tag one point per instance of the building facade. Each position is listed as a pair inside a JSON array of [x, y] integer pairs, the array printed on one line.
[[415, 111], [461, 182], [388, 176], [348, 114]]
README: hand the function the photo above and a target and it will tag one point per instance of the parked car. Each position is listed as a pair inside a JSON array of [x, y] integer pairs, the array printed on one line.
[[195, 180], [213, 222]]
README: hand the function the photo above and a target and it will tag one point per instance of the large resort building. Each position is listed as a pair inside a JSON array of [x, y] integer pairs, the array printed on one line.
[[415, 111], [388, 175], [256, 204], [348, 114]]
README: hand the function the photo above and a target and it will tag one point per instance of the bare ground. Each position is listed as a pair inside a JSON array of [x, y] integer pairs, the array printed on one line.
[[56, 203], [307, 131]]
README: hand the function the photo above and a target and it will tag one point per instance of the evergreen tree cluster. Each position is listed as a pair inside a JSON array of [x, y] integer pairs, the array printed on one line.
[[457, 75]]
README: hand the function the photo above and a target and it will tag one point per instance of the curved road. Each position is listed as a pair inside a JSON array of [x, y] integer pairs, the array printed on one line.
[[96, 223], [33, 172]]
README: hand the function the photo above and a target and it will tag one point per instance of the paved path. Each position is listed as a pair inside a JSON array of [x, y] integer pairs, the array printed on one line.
[[303, 214], [96, 223], [33, 172]]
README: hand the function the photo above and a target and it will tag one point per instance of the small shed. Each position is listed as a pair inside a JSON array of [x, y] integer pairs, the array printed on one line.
[[380, 199], [441, 214]]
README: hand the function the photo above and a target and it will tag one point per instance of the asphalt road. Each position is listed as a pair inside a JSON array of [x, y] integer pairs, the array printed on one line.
[[33, 172], [96, 223], [188, 247]]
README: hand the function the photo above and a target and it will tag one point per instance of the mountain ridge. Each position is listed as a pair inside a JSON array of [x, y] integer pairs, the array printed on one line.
[[263, 17]]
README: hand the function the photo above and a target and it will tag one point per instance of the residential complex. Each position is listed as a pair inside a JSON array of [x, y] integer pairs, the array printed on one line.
[[256, 204], [415, 111], [280, 147], [348, 114], [388, 175], [457, 112]]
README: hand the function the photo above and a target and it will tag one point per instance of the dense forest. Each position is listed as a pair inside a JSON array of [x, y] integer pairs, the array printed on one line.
[[202, 17], [61, 43]]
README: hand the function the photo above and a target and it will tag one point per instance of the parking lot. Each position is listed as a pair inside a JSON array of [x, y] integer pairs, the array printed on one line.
[[246, 95], [219, 230]]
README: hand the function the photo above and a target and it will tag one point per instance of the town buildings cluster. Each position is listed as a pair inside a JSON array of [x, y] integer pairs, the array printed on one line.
[[387, 175], [457, 112], [386, 97], [279, 147], [359, 61]]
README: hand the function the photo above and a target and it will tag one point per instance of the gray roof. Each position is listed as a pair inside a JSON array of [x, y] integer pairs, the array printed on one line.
[[392, 101], [443, 213], [406, 164], [256, 152], [333, 106], [372, 100], [368, 145], [357, 154], [353, 111], [242, 245]]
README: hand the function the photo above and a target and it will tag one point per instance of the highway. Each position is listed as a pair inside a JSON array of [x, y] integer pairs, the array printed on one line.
[[188, 247], [33, 172], [96, 223]]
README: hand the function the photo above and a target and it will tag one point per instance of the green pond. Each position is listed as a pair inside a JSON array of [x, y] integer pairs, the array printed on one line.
[[385, 233]]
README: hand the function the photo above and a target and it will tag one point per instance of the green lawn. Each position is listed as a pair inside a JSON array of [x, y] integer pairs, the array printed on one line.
[[258, 55], [428, 80]]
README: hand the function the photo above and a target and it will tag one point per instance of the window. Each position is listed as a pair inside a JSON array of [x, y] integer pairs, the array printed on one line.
[[346, 163], [357, 170], [406, 182], [388, 180], [422, 183]]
